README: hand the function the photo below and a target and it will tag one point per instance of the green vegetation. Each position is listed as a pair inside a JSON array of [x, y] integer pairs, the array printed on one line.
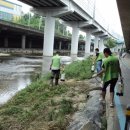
[[110, 43], [41, 106], [33, 104], [79, 69], [104, 123], [38, 22], [81, 37], [34, 21]]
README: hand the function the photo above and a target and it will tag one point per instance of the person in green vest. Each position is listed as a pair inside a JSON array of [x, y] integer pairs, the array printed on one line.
[[55, 68], [111, 70], [99, 57]]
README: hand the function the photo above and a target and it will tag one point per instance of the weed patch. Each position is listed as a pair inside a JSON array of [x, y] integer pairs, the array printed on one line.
[[79, 69], [40, 104]]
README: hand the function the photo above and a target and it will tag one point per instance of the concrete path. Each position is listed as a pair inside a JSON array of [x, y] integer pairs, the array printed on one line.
[[111, 115], [116, 116], [122, 102]]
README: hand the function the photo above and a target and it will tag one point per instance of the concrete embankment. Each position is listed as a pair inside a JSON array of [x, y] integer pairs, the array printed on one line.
[[92, 116]]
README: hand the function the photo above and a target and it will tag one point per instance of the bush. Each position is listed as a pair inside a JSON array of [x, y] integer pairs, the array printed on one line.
[[79, 69]]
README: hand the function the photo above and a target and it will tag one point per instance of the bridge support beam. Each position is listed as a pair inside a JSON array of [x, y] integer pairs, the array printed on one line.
[[6, 42], [23, 41], [30, 44], [96, 43], [87, 43], [74, 42], [49, 35], [60, 44], [101, 45]]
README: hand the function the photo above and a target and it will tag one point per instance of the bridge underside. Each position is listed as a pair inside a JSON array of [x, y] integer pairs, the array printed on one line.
[[72, 14], [75, 16], [124, 12], [14, 33], [44, 3]]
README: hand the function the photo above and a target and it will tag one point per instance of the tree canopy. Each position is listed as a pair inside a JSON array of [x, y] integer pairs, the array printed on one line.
[[110, 43]]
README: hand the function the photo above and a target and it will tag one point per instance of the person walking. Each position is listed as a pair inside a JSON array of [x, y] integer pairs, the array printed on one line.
[[99, 57], [55, 68], [111, 69]]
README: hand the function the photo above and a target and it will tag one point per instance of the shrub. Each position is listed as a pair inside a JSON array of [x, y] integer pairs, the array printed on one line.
[[79, 69]]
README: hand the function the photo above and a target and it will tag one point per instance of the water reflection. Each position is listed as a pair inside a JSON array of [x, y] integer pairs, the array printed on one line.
[[15, 74]]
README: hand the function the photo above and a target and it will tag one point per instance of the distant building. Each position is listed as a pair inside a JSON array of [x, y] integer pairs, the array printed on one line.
[[10, 11]]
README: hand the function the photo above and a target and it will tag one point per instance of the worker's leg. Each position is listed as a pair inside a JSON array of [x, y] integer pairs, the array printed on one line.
[[52, 77], [57, 77], [112, 87], [105, 85]]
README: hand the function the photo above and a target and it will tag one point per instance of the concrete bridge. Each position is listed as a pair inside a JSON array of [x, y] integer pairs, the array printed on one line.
[[14, 35], [79, 14]]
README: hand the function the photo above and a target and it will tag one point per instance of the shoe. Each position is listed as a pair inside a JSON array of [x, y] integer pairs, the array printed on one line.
[[112, 105]]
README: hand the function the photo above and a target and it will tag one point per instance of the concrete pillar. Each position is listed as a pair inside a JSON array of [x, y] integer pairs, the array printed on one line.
[[49, 35], [30, 44], [69, 46], [6, 42], [96, 42], [87, 44], [60, 44], [23, 41], [101, 45], [74, 42]]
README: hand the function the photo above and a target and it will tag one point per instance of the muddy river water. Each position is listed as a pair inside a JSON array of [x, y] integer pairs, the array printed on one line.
[[16, 73]]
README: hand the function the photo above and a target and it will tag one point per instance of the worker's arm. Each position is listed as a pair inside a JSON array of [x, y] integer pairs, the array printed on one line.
[[101, 72]]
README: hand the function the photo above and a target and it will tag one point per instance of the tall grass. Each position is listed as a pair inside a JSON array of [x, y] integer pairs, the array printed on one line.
[[79, 69], [36, 103]]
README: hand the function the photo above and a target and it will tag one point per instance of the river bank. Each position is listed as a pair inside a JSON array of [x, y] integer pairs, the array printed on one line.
[[41, 107], [20, 51]]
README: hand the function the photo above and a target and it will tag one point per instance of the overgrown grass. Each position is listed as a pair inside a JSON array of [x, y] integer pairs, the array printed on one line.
[[33, 104], [37, 103], [79, 69]]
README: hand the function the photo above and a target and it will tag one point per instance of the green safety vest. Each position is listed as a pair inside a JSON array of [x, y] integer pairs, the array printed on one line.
[[100, 57], [111, 66], [55, 62]]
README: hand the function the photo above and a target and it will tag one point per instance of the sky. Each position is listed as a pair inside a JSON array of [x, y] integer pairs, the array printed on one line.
[[107, 8]]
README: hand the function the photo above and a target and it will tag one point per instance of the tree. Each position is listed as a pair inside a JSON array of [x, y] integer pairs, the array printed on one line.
[[110, 43], [38, 22], [81, 37], [60, 29]]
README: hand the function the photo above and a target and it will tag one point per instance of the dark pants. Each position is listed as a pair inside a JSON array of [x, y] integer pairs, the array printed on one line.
[[55, 74], [112, 85]]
